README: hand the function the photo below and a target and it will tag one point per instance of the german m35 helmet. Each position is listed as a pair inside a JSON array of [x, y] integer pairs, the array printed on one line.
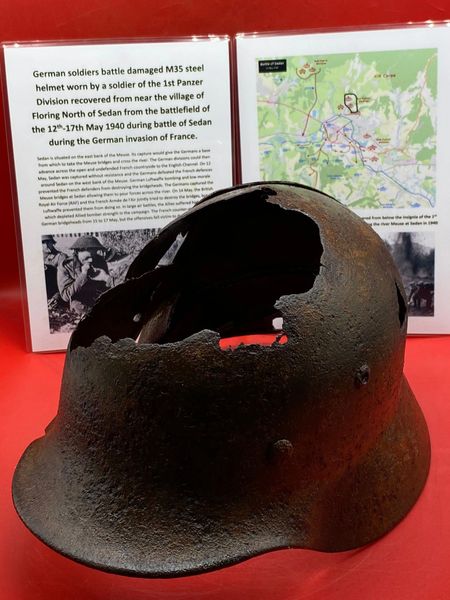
[[172, 454]]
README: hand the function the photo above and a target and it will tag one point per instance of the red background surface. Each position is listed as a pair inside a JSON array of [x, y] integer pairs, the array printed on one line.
[[411, 562]]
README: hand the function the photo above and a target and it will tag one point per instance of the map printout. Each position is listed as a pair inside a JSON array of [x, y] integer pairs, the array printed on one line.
[[344, 123], [361, 116]]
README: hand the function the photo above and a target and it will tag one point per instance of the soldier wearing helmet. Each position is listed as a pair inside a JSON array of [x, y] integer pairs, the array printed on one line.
[[85, 276], [52, 258]]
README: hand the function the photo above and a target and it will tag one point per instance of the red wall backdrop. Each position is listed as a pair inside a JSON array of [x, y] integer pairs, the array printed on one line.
[[24, 20]]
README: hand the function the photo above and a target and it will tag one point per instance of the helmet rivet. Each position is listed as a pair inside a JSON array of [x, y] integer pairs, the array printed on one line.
[[362, 375], [282, 449]]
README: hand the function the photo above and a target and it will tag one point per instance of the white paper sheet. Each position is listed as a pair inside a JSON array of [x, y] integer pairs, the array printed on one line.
[[110, 140], [363, 116]]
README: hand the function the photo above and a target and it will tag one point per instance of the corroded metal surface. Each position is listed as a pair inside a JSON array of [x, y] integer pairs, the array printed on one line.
[[171, 456]]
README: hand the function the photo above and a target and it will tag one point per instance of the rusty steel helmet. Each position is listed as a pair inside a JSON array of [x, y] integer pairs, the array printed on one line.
[[172, 454]]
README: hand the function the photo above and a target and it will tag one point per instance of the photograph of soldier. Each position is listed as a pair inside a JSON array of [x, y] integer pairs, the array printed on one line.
[[84, 276], [52, 258], [78, 268], [414, 253]]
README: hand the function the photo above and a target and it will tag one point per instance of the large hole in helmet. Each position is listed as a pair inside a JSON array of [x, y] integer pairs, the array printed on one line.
[[228, 272], [221, 268]]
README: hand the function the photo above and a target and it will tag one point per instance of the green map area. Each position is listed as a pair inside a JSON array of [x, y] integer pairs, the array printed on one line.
[[360, 127]]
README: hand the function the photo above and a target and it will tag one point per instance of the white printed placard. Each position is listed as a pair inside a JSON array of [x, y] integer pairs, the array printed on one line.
[[362, 116], [110, 141]]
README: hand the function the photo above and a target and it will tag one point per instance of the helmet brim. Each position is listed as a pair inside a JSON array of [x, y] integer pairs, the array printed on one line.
[[165, 537]]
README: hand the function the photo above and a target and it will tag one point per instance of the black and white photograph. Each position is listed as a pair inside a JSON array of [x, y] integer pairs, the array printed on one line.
[[79, 267], [414, 254]]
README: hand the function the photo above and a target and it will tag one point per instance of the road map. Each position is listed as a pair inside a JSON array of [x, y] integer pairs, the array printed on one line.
[[358, 126]]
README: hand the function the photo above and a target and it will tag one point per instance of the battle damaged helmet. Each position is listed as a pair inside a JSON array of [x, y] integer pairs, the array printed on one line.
[[173, 453]]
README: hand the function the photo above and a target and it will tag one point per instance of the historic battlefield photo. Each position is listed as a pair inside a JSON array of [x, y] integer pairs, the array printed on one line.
[[413, 253], [79, 267]]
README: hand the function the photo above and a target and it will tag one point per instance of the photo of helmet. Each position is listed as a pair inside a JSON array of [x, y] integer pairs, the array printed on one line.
[[87, 242]]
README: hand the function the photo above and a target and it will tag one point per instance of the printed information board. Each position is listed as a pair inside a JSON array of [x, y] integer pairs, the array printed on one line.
[[362, 116], [110, 142]]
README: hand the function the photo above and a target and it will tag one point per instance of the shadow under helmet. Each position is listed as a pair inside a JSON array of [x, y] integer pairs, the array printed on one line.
[[172, 455]]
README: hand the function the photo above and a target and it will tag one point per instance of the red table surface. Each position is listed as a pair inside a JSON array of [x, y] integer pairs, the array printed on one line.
[[411, 562]]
